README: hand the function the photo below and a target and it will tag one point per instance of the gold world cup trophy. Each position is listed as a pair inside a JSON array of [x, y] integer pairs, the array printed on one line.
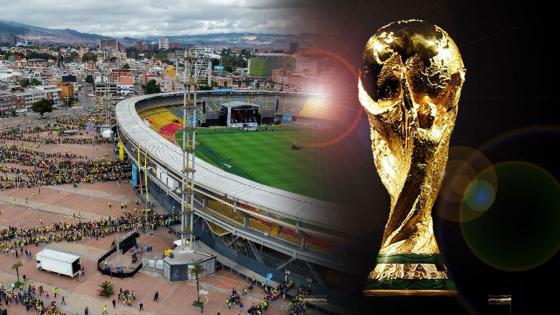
[[409, 85]]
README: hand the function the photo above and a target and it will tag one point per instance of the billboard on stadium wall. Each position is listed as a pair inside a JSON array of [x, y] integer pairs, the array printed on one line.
[[134, 178], [121, 151], [287, 118], [223, 90]]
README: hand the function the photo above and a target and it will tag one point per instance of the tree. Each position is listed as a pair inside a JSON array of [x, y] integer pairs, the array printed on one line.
[[231, 60], [106, 289], [215, 62], [196, 271], [245, 53], [34, 81], [152, 87], [42, 106], [16, 266], [71, 100], [126, 66], [89, 79], [89, 56]]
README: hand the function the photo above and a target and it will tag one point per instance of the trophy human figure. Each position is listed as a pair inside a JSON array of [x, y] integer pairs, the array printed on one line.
[[410, 83]]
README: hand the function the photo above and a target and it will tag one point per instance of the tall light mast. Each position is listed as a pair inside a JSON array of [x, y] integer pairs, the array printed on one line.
[[189, 145]]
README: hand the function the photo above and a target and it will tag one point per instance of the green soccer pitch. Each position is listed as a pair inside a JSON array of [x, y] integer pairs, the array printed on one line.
[[266, 156]]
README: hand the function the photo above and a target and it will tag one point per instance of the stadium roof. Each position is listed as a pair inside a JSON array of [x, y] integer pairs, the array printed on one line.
[[279, 202], [235, 104]]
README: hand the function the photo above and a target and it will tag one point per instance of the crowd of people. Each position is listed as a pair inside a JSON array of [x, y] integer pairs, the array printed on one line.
[[14, 239], [297, 305], [33, 298], [38, 139], [37, 168], [271, 294], [21, 167], [126, 297], [50, 131], [97, 117]]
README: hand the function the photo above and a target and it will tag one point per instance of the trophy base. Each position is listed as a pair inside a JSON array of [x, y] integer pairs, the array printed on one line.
[[409, 274]]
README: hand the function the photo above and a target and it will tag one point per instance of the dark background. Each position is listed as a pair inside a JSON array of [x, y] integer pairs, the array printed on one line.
[[508, 110]]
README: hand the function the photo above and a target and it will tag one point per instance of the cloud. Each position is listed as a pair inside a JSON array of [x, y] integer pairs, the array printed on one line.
[[139, 18]]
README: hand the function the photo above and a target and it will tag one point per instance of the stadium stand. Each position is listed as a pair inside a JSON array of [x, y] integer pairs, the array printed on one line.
[[269, 228], [289, 235], [216, 229], [226, 210], [260, 225], [272, 229], [169, 130], [163, 121]]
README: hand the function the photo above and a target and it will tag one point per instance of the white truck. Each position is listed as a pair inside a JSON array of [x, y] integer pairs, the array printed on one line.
[[59, 262]]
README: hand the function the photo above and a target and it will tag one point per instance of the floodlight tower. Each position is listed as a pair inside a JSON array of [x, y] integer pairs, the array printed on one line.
[[189, 145]]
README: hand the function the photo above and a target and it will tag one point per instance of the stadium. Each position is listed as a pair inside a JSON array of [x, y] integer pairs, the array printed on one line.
[[257, 206]]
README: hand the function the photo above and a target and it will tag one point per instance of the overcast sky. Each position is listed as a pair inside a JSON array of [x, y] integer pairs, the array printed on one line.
[[139, 18]]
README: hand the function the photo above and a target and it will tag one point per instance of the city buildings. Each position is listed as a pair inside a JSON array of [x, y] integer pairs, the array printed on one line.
[[66, 89], [26, 97], [106, 44], [59, 72], [7, 103], [163, 44], [103, 88]]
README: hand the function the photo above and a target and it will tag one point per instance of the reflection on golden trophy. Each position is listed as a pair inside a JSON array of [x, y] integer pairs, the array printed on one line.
[[410, 83]]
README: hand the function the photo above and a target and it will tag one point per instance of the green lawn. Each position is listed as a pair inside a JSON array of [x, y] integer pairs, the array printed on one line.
[[266, 157]]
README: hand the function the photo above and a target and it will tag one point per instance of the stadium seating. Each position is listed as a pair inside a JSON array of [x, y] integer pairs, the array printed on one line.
[[163, 121], [271, 229], [226, 210], [253, 223], [216, 229], [169, 130], [313, 242], [260, 225], [289, 235], [319, 244], [275, 230]]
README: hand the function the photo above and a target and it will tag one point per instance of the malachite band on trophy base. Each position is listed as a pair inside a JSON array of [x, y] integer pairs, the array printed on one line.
[[410, 286], [409, 259]]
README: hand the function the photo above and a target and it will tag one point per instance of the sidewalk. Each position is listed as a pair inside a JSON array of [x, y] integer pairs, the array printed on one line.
[[39, 206]]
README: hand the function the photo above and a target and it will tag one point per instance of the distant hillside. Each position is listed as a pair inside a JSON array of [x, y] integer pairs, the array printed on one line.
[[9, 31], [278, 41], [6, 28], [43, 35]]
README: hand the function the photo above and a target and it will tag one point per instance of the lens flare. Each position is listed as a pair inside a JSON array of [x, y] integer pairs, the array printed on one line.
[[464, 195], [519, 230], [479, 195], [337, 100]]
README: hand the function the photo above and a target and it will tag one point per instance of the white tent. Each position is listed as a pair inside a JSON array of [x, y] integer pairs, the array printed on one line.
[[107, 133]]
